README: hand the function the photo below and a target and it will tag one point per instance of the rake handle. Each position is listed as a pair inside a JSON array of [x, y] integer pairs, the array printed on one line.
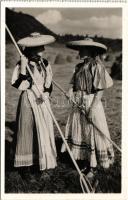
[[63, 91], [51, 113]]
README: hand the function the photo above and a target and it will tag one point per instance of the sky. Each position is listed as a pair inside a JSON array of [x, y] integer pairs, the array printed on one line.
[[106, 22]]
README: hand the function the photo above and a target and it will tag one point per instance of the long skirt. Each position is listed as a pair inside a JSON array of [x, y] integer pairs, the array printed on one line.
[[35, 135], [84, 138]]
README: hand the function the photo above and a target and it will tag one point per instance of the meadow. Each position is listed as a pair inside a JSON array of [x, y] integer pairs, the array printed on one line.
[[64, 178]]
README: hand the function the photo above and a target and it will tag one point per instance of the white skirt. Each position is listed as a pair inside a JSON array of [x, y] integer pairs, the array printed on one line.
[[84, 138], [35, 120]]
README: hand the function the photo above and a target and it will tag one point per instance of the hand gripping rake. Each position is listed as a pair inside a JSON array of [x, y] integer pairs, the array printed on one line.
[[83, 111]]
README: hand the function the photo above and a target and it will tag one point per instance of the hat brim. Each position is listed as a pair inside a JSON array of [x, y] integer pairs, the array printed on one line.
[[36, 41], [90, 45]]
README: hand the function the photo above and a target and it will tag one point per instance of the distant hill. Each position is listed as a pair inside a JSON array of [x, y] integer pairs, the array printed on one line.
[[114, 45], [21, 25]]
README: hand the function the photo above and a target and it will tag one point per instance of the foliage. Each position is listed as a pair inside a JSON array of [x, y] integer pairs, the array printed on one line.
[[112, 44], [116, 70], [22, 25]]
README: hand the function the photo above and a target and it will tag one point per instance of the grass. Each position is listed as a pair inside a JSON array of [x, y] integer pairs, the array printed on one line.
[[64, 178]]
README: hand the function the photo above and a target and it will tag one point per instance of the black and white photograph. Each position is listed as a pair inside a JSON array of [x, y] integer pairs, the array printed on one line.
[[63, 100]]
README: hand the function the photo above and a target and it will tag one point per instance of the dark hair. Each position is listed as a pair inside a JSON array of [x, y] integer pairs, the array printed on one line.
[[29, 51], [94, 52]]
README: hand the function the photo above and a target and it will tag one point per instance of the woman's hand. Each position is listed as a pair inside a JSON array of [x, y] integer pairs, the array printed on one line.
[[24, 62], [39, 100], [70, 94], [94, 104]]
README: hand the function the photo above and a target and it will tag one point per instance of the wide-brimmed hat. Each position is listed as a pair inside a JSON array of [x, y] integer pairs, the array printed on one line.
[[36, 39], [87, 43]]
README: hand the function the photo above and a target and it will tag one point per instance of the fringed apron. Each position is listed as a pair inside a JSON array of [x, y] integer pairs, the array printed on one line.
[[35, 134], [85, 141]]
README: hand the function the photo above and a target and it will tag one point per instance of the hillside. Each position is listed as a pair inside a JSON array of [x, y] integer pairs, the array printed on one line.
[[22, 25], [112, 44]]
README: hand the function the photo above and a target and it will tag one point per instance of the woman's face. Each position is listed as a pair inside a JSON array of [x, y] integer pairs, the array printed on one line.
[[37, 51], [103, 56], [84, 53]]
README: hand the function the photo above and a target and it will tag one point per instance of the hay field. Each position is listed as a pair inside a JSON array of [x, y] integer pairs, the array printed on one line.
[[64, 178]]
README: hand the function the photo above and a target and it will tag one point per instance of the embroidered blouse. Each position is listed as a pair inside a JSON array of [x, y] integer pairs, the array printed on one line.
[[42, 72], [91, 76]]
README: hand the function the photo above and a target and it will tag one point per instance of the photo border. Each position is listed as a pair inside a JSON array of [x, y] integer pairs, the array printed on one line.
[[96, 196]]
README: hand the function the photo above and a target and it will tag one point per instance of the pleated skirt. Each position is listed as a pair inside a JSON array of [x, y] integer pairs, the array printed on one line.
[[84, 138], [35, 134]]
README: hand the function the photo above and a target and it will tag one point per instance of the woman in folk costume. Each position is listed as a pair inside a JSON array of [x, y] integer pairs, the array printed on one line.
[[34, 123], [89, 81]]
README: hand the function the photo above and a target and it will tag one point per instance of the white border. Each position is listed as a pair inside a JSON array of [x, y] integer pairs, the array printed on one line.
[[124, 194]]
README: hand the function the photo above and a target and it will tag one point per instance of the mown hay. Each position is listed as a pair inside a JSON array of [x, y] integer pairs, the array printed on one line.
[[69, 58], [60, 59]]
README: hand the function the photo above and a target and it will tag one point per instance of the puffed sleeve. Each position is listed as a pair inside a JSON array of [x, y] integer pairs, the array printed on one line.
[[19, 80], [102, 79]]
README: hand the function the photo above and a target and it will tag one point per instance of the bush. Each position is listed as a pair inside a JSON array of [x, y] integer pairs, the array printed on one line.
[[116, 70]]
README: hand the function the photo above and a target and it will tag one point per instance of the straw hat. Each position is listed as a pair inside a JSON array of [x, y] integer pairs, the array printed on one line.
[[87, 43], [36, 39]]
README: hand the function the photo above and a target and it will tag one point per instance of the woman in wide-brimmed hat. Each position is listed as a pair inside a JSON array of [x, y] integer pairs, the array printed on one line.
[[35, 135], [87, 84]]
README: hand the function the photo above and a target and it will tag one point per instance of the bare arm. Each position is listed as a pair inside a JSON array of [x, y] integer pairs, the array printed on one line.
[[19, 79], [24, 62], [96, 99], [94, 104]]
